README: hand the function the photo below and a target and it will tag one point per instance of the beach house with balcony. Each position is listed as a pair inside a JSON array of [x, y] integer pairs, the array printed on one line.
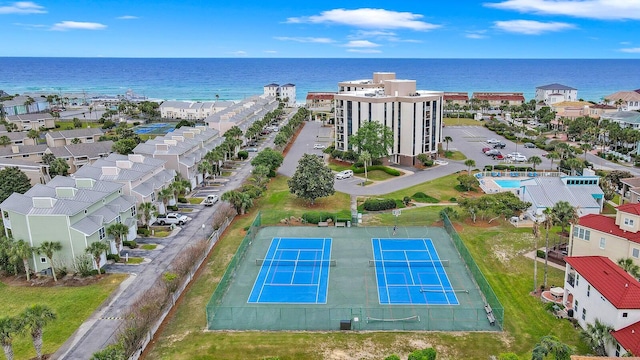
[[74, 211], [628, 100], [281, 92], [189, 110], [414, 116], [319, 100], [596, 288], [182, 150], [614, 238], [555, 93]]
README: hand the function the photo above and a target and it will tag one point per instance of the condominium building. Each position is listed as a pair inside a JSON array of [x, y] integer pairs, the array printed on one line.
[[75, 136], [496, 99], [242, 114], [188, 110], [32, 121], [282, 92], [414, 116], [75, 212], [555, 93]]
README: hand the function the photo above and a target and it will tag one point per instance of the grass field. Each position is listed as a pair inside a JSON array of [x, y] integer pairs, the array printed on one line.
[[460, 121], [497, 247], [73, 305]]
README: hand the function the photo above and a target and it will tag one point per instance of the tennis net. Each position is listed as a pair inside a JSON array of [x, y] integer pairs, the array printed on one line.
[[294, 263], [409, 264]]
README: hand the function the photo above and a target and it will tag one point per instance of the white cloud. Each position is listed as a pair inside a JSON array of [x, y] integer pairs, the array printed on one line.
[[368, 18], [477, 34], [625, 42], [530, 27], [270, 51], [77, 25], [22, 7], [365, 51], [31, 26], [305, 39], [592, 9], [361, 44], [239, 53], [631, 50], [127, 17]]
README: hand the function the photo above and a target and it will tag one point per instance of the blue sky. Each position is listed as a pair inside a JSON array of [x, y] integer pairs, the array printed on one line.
[[275, 28]]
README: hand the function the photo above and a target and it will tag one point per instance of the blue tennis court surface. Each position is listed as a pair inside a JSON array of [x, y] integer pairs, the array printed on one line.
[[294, 271], [409, 271]]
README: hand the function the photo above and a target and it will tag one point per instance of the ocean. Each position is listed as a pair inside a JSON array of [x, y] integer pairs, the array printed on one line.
[[237, 78]]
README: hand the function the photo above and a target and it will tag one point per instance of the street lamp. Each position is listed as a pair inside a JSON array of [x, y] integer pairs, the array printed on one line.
[[203, 231]]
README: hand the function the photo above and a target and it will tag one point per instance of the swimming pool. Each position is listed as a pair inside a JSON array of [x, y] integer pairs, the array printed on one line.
[[508, 184]]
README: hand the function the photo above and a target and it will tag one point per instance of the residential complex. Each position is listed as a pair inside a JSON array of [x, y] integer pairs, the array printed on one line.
[[32, 121], [242, 114], [282, 92], [191, 110], [75, 212], [76, 136], [555, 93], [320, 100], [496, 99], [596, 288], [414, 116], [20, 105]]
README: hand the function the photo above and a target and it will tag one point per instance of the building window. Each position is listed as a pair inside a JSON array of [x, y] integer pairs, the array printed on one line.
[[43, 260], [581, 233], [635, 253], [133, 211], [603, 242], [588, 290], [118, 219], [577, 279], [587, 235], [584, 314], [624, 314], [628, 222], [101, 233], [617, 350]]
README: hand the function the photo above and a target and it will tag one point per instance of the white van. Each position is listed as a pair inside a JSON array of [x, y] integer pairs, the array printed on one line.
[[344, 174]]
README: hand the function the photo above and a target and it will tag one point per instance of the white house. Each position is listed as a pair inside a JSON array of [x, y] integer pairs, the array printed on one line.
[[555, 93], [281, 92], [414, 116], [597, 288], [625, 100]]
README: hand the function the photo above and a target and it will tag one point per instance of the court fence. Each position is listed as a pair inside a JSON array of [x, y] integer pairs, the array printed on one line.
[[229, 274], [487, 291]]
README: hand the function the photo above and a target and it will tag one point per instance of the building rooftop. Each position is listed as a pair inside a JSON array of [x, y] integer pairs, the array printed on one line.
[[629, 117], [629, 337], [75, 133], [555, 86], [615, 284], [608, 225]]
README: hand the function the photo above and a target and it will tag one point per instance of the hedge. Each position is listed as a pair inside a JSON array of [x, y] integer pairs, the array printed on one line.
[[317, 216], [422, 197], [132, 244], [388, 170], [379, 204]]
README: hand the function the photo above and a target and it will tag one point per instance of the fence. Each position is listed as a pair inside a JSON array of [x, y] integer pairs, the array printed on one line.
[[489, 295]]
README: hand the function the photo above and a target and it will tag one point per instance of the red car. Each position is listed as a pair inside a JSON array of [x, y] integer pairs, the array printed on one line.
[[484, 150], [499, 157]]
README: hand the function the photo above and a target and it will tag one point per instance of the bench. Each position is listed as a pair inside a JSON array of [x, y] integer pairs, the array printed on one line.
[[323, 224], [488, 309], [340, 224], [492, 319]]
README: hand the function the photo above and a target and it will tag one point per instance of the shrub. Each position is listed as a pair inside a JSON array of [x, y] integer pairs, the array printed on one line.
[[379, 204], [130, 243], [428, 163], [83, 265], [144, 232], [114, 257], [406, 200], [182, 200], [172, 207], [426, 354], [540, 254], [452, 199], [422, 197], [136, 123], [392, 357], [243, 154], [315, 217]]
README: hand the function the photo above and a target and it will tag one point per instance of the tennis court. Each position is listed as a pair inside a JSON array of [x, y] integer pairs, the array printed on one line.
[[319, 278], [409, 271], [154, 128], [294, 271]]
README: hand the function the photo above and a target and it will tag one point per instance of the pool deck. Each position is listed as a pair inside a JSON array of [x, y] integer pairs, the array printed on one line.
[[489, 186]]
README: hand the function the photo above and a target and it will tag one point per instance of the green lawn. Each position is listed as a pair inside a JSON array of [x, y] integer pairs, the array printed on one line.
[[464, 122], [69, 124], [148, 246], [376, 175], [497, 248], [440, 188], [73, 305]]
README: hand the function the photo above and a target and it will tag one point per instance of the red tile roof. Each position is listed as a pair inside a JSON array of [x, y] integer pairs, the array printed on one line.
[[630, 208], [499, 96], [607, 225], [629, 337], [456, 96], [320, 96], [620, 288]]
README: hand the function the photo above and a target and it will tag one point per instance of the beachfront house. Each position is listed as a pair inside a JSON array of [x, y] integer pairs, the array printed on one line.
[[414, 116], [75, 136], [614, 238], [189, 110], [143, 177], [182, 150], [320, 100], [456, 98], [624, 100], [555, 93], [281, 92], [597, 288], [242, 114], [24, 105], [75, 212], [35, 121]]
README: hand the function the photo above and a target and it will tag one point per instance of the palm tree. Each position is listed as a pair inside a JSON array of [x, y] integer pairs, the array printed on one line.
[[205, 168], [118, 231], [469, 163], [23, 251], [48, 248], [447, 139], [96, 249], [34, 318], [585, 147], [548, 345], [8, 328], [365, 157], [629, 266], [164, 195], [597, 335], [34, 135], [5, 140], [548, 222], [552, 156], [565, 214], [145, 210], [535, 160]]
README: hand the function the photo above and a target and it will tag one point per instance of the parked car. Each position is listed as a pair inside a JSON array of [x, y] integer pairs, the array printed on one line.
[[252, 149], [319, 146], [529, 145], [440, 162], [499, 145], [210, 200], [485, 149], [498, 157], [492, 152], [519, 158], [345, 174], [172, 218], [513, 154], [493, 141]]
